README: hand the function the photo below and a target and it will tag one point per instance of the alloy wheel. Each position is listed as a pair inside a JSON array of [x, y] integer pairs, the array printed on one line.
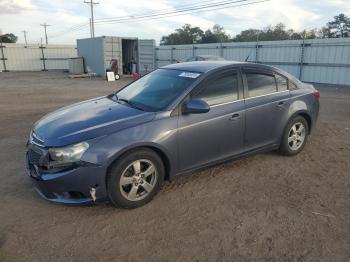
[[296, 136], [138, 180]]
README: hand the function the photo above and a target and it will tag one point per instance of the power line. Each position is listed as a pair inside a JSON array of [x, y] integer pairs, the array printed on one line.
[[75, 29], [45, 25], [71, 29], [91, 3], [143, 14], [183, 12], [161, 15], [25, 36], [159, 11]]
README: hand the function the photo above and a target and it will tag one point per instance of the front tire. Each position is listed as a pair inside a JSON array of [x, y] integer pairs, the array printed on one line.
[[294, 137], [135, 178]]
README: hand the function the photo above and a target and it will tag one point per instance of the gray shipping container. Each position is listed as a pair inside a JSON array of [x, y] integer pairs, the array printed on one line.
[[132, 54]]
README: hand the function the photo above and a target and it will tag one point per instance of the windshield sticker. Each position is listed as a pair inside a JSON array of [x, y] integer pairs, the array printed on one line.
[[189, 75]]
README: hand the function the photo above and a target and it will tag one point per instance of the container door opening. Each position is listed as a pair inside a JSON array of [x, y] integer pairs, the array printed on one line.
[[129, 55]]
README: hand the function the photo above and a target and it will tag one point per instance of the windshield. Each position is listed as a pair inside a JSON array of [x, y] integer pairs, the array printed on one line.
[[157, 90]]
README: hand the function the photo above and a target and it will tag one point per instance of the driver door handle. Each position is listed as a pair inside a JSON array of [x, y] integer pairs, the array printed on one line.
[[234, 117]]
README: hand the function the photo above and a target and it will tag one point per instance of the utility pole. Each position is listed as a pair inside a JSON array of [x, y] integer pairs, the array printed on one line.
[[25, 36], [45, 26], [90, 27], [92, 3]]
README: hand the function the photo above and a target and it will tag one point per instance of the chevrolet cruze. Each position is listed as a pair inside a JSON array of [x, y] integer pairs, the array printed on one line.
[[179, 118]]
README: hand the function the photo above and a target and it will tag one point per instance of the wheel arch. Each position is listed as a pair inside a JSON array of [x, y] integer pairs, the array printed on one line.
[[154, 147], [306, 115]]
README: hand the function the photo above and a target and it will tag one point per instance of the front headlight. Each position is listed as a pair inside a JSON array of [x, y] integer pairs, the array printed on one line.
[[68, 154]]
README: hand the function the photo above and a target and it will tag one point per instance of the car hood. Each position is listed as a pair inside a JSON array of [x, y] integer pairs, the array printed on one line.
[[87, 120]]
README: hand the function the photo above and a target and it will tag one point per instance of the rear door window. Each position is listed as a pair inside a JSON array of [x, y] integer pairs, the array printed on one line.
[[292, 86], [282, 83], [260, 83]]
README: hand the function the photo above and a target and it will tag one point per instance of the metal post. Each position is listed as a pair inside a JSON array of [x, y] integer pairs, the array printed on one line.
[[257, 52], [43, 57], [221, 50], [172, 55], [302, 59], [156, 59], [3, 56]]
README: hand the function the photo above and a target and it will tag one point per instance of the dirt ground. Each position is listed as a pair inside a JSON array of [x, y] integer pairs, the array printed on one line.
[[262, 208]]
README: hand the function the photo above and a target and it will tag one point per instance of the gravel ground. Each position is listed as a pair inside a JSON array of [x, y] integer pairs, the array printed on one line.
[[262, 208]]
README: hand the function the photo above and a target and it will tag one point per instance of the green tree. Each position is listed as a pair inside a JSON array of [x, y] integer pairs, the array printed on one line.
[[273, 33], [340, 26], [250, 35], [8, 38], [184, 35], [310, 34], [280, 33], [270, 33], [293, 35], [217, 35], [324, 32]]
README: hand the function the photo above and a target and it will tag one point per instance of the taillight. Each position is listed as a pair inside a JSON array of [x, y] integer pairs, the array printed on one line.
[[317, 94]]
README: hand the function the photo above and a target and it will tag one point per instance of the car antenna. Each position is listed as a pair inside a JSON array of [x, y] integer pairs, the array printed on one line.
[[246, 58]]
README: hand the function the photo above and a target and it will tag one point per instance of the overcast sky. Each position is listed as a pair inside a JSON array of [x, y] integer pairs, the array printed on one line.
[[62, 15]]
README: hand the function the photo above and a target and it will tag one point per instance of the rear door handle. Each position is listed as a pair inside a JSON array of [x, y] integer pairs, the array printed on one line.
[[234, 117]]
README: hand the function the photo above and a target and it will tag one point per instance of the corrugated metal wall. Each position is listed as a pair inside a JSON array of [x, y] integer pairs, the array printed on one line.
[[146, 52], [18, 57], [57, 55], [313, 60]]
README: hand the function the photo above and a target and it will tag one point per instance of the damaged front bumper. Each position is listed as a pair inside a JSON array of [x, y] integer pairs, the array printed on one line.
[[82, 184]]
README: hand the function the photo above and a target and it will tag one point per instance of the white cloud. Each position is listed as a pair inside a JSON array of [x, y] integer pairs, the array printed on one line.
[[268, 13], [63, 15], [14, 6]]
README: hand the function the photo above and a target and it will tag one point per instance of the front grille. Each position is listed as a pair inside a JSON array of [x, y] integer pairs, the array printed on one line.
[[34, 157], [34, 139], [37, 141]]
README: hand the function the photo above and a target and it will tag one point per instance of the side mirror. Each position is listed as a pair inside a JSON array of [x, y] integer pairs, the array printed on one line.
[[196, 106]]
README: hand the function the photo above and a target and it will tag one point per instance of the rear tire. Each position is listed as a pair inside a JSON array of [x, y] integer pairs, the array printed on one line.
[[135, 178], [294, 137]]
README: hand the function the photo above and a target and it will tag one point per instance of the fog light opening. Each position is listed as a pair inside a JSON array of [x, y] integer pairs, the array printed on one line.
[[76, 194], [69, 195]]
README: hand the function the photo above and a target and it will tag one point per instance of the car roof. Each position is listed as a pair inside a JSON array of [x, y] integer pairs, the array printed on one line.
[[206, 66]]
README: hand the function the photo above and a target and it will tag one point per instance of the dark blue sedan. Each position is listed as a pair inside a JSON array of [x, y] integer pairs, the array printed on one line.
[[175, 120]]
